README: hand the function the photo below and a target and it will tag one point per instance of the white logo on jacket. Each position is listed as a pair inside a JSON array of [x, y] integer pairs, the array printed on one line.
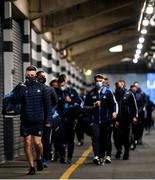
[[38, 90]]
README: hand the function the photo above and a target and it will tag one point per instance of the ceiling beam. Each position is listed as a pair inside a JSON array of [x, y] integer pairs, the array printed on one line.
[[106, 41], [103, 51], [107, 60], [85, 10], [40, 8], [73, 32]]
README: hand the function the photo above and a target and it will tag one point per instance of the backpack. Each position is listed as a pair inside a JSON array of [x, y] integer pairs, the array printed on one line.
[[9, 107]]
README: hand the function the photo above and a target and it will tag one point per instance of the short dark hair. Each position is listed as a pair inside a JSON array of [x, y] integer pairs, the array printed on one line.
[[132, 86], [136, 82], [53, 81], [62, 78], [106, 79], [39, 72], [98, 76], [122, 81], [31, 68]]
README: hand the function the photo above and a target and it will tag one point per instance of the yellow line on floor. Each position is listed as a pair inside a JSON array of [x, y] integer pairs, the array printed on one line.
[[75, 165]]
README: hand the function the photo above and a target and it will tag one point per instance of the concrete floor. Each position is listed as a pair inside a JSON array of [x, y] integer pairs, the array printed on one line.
[[141, 165]]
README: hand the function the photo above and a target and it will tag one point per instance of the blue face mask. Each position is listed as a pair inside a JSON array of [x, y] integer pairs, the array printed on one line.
[[99, 84]]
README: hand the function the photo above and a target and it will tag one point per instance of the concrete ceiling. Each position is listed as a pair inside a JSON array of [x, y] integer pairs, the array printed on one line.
[[86, 29]]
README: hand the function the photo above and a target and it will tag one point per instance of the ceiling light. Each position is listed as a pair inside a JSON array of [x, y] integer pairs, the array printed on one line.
[[88, 72], [135, 60], [152, 60], [145, 22], [149, 9], [145, 54], [126, 59], [143, 31], [118, 48], [138, 51], [139, 46], [153, 47], [141, 40], [141, 16], [153, 41], [136, 56], [152, 20]]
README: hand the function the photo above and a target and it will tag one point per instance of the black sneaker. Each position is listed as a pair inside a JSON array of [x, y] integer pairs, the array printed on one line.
[[69, 160], [56, 157], [80, 143], [32, 171], [126, 156], [118, 155], [40, 165], [62, 160], [133, 146]]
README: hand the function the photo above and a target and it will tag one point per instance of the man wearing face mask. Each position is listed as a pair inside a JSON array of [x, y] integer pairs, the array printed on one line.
[[68, 106], [141, 100], [46, 138], [103, 108], [35, 112], [126, 115]]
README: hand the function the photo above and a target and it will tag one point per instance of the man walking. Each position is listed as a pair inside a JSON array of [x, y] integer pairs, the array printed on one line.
[[104, 109], [35, 112]]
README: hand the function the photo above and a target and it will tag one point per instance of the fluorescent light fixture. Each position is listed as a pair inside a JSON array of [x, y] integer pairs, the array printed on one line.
[[153, 47], [138, 51], [135, 60], [145, 22], [146, 54], [149, 9], [139, 46], [88, 72], [152, 60], [143, 31], [141, 16], [118, 48], [136, 56], [141, 40], [126, 59], [152, 21]]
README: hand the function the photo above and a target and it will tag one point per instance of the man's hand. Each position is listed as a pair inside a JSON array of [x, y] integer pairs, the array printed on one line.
[[68, 99], [134, 120], [114, 115], [97, 103]]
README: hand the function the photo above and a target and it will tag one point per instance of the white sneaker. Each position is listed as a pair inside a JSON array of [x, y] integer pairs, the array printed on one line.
[[96, 160], [108, 159]]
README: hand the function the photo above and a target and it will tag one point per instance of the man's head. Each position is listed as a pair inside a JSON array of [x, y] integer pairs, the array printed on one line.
[[136, 84], [54, 83], [31, 71], [82, 90], [106, 81], [133, 88], [99, 79], [30, 74], [121, 84], [41, 77], [62, 81]]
